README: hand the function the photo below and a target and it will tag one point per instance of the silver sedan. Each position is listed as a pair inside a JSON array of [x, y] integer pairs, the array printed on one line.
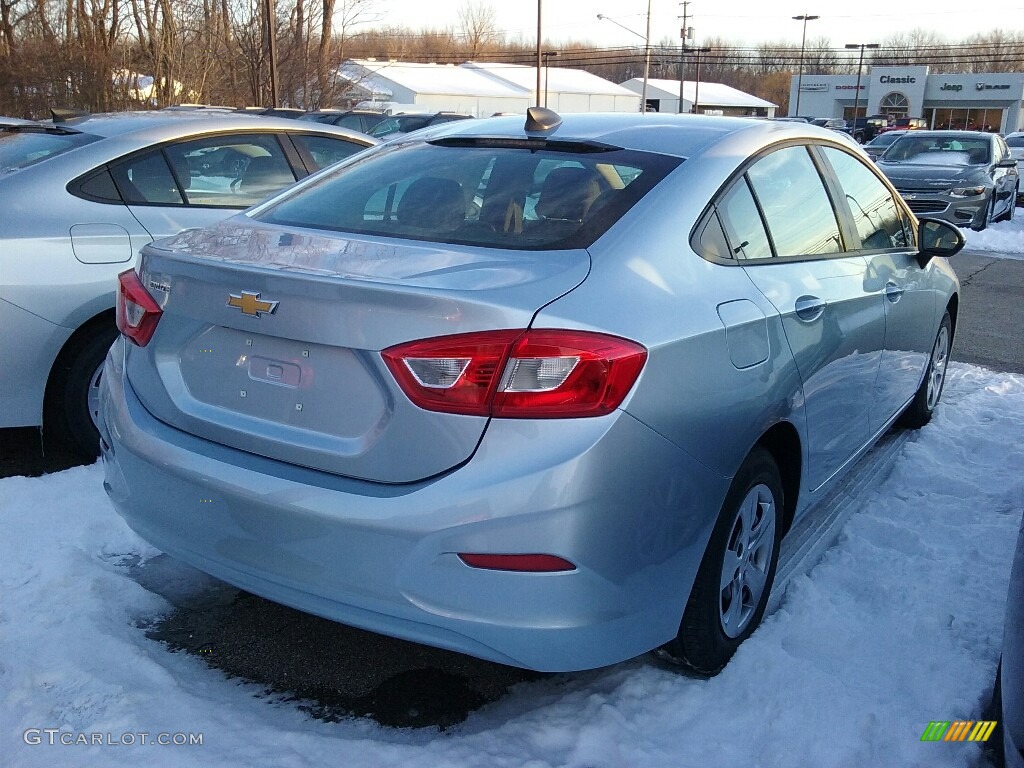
[[547, 392], [81, 197]]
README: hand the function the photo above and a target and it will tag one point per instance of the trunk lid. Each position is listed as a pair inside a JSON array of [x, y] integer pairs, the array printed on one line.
[[290, 368]]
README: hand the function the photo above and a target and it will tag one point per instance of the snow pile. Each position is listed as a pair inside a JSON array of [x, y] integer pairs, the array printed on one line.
[[1005, 238], [898, 625]]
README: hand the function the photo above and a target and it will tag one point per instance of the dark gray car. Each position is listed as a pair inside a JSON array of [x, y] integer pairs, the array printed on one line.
[[967, 178]]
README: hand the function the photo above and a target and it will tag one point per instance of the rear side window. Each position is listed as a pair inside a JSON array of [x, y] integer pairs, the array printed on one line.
[[494, 194], [743, 224], [877, 217], [796, 206], [146, 179]]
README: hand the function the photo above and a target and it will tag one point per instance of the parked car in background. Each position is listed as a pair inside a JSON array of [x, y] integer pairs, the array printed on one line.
[[8, 121], [291, 113], [906, 124], [835, 123], [399, 124], [81, 197], [362, 120], [881, 142], [967, 178], [554, 435], [1015, 141], [1009, 689], [864, 129]]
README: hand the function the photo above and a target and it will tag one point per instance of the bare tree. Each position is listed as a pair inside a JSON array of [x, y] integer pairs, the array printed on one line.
[[478, 25]]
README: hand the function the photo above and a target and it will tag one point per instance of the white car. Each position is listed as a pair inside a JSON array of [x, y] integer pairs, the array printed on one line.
[[81, 196], [1015, 141]]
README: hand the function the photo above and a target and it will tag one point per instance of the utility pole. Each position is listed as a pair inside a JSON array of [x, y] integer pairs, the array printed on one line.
[[540, 52], [271, 21], [683, 34]]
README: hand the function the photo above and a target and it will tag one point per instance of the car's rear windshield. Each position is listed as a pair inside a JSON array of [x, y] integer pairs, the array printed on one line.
[[526, 196], [20, 148], [884, 139]]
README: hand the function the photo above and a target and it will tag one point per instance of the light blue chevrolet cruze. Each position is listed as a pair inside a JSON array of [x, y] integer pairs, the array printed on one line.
[[549, 394]]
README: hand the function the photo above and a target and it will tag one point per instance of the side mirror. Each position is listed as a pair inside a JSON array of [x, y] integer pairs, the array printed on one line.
[[1008, 163], [937, 238]]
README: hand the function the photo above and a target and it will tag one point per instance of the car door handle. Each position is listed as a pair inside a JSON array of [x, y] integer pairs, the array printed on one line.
[[893, 292], [809, 308]]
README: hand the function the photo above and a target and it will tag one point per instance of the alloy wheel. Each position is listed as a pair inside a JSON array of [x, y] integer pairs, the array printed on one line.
[[748, 557]]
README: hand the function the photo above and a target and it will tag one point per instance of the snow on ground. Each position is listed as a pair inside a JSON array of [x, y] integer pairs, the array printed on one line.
[[898, 625], [1005, 239]]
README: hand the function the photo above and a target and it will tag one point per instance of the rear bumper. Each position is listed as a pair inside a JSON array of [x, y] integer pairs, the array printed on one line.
[[630, 509]]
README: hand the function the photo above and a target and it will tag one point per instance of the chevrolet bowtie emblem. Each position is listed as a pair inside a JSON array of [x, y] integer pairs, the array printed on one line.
[[251, 304]]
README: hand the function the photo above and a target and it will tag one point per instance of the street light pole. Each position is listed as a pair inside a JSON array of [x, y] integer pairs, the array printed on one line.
[[856, 93], [696, 84], [803, 44], [547, 66], [682, 52], [647, 49]]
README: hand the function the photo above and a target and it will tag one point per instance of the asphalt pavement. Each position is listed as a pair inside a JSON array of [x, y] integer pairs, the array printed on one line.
[[333, 671]]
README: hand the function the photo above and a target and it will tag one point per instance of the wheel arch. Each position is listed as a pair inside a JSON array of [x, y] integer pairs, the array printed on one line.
[[70, 348], [953, 306], [782, 441]]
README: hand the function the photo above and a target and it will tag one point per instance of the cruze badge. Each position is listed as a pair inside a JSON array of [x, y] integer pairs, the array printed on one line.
[[251, 304]]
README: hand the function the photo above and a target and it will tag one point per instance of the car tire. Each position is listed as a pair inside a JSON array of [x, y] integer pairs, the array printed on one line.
[[988, 216], [72, 393], [920, 410], [1011, 207], [744, 544]]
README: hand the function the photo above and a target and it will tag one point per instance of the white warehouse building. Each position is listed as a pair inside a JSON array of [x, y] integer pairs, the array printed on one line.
[[709, 98], [479, 88]]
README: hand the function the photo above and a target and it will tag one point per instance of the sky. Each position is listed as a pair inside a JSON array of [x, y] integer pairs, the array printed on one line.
[[738, 21]]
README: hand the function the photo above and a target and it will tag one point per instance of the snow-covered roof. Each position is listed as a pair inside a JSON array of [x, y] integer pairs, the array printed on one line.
[[443, 79], [711, 94], [473, 78], [559, 79]]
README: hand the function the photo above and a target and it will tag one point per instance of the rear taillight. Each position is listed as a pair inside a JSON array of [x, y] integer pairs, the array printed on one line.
[[137, 312], [518, 374]]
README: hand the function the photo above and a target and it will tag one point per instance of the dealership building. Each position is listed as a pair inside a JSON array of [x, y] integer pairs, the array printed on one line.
[[990, 102]]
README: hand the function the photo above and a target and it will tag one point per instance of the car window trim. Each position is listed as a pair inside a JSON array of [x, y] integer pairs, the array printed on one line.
[[901, 205], [306, 158], [897, 198], [294, 162], [742, 170]]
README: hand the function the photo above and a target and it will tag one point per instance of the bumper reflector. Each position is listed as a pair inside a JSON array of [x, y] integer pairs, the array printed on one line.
[[524, 563]]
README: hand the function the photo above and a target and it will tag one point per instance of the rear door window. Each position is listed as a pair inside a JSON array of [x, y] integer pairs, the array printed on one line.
[[222, 172], [796, 207]]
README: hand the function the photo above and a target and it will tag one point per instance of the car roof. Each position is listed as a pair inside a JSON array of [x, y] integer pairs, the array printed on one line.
[[160, 126], [681, 135], [952, 134]]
